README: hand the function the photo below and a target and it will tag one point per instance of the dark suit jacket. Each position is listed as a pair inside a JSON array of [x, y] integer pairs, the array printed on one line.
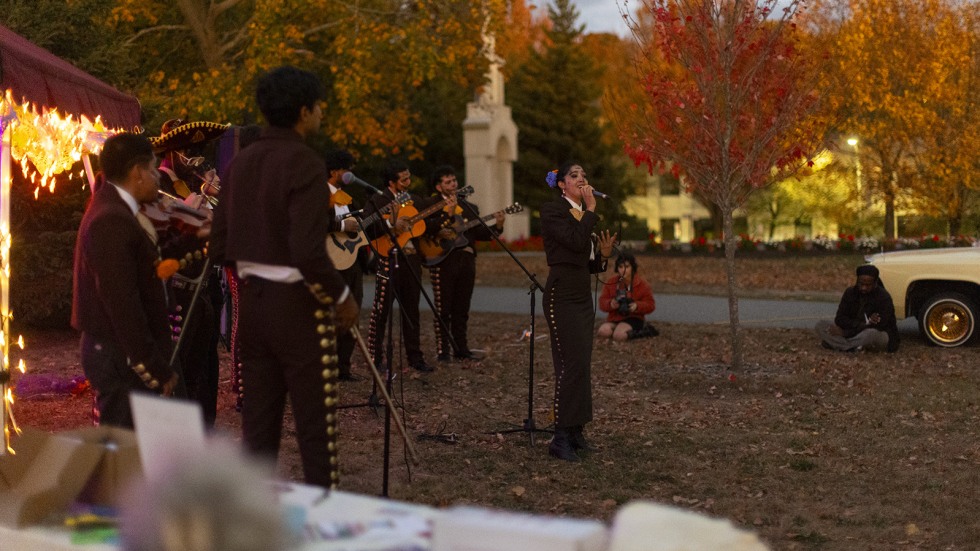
[[117, 294], [568, 240], [275, 209]]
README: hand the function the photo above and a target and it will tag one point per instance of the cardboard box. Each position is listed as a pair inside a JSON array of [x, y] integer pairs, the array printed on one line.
[[468, 528], [46, 474], [118, 467]]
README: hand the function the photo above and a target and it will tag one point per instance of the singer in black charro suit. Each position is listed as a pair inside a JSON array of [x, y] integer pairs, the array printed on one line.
[[567, 225]]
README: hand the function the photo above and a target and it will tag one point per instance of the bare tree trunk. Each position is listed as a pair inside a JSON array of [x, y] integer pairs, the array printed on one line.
[[955, 223], [202, 27], [730, 244], [890, 217]]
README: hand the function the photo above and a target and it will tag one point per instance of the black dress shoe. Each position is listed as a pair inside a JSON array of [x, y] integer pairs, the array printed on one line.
[[473, 355], [444, 358], [578, 441], [561, 447], [423, 367]]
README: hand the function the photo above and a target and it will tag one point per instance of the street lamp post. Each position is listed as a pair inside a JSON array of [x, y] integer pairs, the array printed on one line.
[[853, 142]]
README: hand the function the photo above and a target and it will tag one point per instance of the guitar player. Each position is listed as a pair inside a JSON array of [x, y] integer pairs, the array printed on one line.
[[338, 163], [407, 276], [454, 276]]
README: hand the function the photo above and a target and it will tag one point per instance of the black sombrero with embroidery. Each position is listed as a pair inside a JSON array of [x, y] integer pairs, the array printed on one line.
[[187, 135]]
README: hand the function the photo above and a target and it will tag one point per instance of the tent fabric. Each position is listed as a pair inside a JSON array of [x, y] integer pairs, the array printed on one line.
[[44, 79]]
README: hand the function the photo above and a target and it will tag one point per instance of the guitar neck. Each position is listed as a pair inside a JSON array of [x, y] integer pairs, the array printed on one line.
[[367, 221], [474, 223], [428, 211]]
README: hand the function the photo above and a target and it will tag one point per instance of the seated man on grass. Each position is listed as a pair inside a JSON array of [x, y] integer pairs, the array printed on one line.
[[865, 317]]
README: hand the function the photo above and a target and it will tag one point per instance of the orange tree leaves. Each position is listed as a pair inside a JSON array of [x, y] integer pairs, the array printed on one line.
[[202, 61], [902, 77]]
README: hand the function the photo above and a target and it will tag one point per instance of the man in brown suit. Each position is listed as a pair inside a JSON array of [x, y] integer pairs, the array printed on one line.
[[119, 303], [271, 224]]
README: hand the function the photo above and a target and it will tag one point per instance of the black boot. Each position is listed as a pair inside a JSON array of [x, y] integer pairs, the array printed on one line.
[[577, 439], [561, 446]]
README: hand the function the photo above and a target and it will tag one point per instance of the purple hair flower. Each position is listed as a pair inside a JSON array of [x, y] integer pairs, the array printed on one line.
[[552, 178]]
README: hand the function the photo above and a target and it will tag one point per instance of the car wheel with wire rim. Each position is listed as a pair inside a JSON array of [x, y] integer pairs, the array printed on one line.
[[948, 319]]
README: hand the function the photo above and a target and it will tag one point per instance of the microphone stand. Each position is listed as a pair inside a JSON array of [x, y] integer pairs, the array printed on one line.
[[386, 388], [528, 425]]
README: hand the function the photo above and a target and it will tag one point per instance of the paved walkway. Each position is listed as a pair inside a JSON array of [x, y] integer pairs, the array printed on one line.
[[671, 308]]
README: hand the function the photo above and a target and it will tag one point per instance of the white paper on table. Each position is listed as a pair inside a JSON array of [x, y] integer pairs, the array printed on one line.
[[342, 521], [166, 430]]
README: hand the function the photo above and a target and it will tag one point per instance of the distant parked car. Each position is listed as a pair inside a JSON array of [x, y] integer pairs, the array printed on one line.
[[939, 287]]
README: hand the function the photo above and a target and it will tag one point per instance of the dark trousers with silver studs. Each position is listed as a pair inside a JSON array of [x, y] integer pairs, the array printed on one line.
[[571, 318], [453, 280], [409, 293], [288, 348]]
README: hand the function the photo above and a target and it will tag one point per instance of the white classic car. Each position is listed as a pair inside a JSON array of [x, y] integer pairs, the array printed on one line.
[[939, 287]]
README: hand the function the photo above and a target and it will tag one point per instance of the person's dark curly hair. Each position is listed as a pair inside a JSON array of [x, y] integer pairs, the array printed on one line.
[[438, 173], [340, 159], [282, 92], [121, 153], [392, 168]]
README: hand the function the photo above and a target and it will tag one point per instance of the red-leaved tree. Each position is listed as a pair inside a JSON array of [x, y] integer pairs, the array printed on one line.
[[728, 103]]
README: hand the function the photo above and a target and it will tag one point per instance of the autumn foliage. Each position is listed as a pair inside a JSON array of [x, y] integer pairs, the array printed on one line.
[[202, 58], [728, 93]]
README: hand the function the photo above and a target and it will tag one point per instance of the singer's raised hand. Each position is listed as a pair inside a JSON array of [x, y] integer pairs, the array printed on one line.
[[606, 243]]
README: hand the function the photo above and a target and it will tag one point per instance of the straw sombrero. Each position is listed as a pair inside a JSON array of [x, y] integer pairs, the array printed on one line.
[[185, 135]]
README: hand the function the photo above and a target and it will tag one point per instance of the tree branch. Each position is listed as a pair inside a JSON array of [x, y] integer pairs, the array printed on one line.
[[151, 30]]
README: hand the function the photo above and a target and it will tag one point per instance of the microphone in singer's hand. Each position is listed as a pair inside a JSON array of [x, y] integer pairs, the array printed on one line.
[[349, 178], [598, 193]]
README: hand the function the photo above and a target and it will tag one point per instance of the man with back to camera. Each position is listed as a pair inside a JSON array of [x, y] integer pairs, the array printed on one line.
[[865, 318], [119, 304], [271, 223]]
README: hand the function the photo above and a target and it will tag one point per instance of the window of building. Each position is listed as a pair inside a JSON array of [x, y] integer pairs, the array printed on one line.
[[669, 185]]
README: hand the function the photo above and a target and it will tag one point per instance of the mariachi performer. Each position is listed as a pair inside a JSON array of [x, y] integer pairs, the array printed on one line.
[[454, 274], [186, 176], [339, 164], [399, 273], [573, 252]]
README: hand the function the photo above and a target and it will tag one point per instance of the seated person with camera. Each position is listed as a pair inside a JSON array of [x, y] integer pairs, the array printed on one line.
[[627, 299]]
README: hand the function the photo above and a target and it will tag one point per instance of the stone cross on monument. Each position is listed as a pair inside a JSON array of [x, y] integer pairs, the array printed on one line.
[[490, 145]]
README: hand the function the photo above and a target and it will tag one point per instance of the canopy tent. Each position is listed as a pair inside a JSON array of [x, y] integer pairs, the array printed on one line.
[[36, 75], [36, 88]]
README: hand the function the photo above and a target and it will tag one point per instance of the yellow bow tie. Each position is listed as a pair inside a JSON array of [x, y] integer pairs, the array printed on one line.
[[577, 214], [340, 198]]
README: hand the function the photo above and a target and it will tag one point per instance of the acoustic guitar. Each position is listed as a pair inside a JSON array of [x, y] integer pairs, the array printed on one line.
[[342, 247], [434, 250], [383, 244]]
